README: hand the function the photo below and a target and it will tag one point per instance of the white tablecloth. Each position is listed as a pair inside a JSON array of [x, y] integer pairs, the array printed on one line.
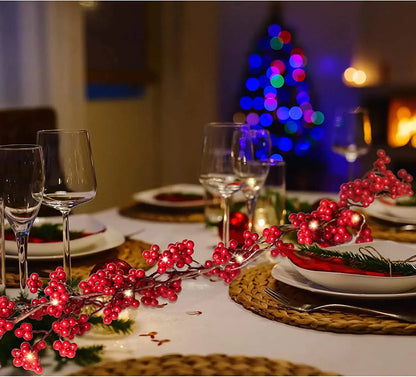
[[226, 327]]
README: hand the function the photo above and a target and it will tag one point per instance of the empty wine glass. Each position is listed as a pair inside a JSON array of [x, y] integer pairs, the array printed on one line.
[[352, 136], [217, 173], [250, 153], [21, 189], [69, 176]]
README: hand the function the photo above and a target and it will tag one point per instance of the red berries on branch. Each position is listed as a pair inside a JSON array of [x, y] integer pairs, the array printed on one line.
[[114, 286]]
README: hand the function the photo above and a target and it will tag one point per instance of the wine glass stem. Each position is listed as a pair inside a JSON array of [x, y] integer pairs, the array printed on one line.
[[350, 170], [251, 208], [226, 221], [21, 238], [67, 250]]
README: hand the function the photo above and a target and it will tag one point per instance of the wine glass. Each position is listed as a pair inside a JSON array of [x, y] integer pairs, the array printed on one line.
[[217, 173], [69, 176], [352, 136], [22, 182], [250, 153]]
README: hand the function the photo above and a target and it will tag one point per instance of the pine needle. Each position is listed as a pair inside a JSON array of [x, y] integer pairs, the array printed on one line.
[[361, 261]]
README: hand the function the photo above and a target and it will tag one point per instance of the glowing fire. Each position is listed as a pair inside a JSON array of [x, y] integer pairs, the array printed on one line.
[[402, 123]]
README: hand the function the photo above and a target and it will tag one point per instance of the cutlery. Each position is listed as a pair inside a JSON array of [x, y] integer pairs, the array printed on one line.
[[309, 308]]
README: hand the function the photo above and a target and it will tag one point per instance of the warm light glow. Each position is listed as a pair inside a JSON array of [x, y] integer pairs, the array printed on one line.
[[313, 225], [367, 129], [349, 74], [402, 123], [359, 77], [30, 356], [128, 293], [239, 259], [354, 77], [355, 218], [55, 302]]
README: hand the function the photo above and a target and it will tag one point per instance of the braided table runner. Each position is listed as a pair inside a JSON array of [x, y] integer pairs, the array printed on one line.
[[130, 251], [195, 365], [164, 214], [248, 290]]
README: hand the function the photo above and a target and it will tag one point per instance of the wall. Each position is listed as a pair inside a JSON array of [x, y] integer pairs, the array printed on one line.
[[124, 144]]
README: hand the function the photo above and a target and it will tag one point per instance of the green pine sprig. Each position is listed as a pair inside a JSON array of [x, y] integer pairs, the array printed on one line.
[[118, 326], [363, 261]]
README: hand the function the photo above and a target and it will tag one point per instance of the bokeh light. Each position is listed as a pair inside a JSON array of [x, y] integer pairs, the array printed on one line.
[[252, 119], [274, 30], [284, 144], [266, 119], [252, 84], [254, 60]]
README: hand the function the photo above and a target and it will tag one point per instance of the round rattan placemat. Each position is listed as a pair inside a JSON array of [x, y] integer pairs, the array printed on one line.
[[163, 214], [196, 365], [248, 290], [130, 251]]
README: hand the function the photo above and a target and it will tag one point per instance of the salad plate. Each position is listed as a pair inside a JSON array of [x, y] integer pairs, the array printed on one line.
[[46, 230], [183, 195], [352, 285]]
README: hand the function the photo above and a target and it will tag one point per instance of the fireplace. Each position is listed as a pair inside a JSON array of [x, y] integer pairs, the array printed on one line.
[[393, 123]]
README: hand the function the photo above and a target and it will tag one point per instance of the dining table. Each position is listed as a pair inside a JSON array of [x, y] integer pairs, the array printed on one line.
[[213, 320]]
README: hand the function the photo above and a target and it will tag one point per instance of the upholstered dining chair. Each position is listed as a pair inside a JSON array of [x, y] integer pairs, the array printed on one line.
[[19, 126]]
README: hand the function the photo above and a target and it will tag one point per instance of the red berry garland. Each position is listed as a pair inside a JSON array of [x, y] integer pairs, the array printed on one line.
[[114, 285]]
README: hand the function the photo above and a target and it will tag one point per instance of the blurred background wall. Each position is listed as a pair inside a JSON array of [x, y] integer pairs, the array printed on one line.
[[190, 65]]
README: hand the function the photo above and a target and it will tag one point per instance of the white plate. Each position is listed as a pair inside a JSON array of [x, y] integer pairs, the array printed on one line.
[[357, 283], [111, 238], [286, 272], [149, 196], [392, 213], [85, 223]]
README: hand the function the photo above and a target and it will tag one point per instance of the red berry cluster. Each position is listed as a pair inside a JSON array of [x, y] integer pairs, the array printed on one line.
[[7, 309], [33, 283], [380, 181], [57, 292], [334, 223], [69, 327], [24, 331], [223, 256], [106, 281], [27, 356], [168, 291], [177, 254], [65, 348]]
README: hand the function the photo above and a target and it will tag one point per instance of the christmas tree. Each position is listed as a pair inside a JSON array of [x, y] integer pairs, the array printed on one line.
[[277, 96]]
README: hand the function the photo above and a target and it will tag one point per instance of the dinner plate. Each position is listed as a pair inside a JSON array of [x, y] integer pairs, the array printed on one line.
[[85, 223], [384, 210], [110, 238], [149, 196], [287, 273]]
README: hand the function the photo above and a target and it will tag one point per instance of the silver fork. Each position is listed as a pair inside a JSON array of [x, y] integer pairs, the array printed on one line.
[[309, 308]]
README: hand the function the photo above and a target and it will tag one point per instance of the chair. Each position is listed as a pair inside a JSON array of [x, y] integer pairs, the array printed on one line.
[[19, 126]]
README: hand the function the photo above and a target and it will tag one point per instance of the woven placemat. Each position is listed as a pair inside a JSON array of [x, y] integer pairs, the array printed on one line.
[[387, 232], [130, 251], [248, 290], [196, 365], [163, 214]]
